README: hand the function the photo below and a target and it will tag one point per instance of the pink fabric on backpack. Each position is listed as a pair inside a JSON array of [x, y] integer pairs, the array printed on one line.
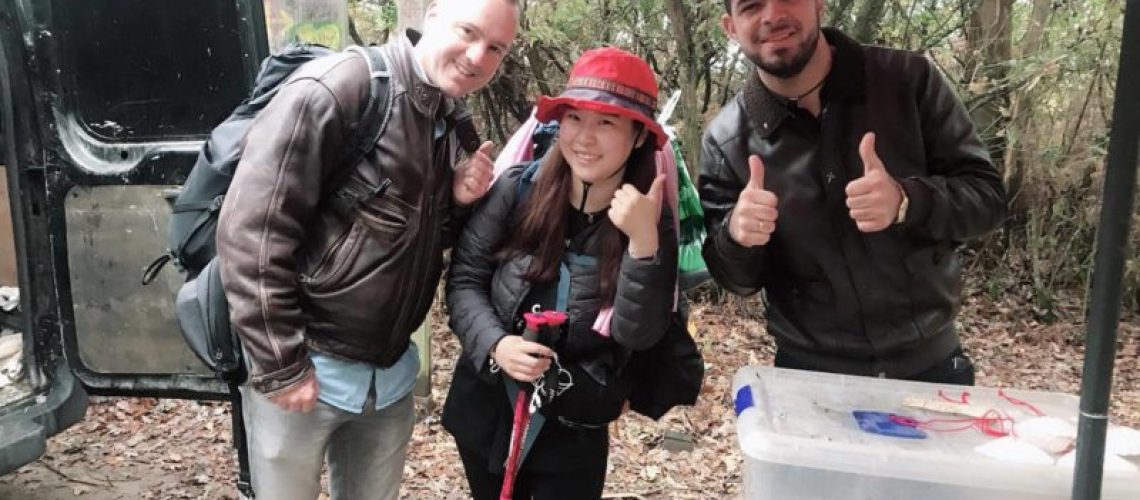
[[519, 148], [666, 164]]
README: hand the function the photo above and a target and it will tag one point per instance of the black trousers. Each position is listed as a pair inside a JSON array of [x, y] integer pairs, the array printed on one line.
[[956, 369], [574, 484]]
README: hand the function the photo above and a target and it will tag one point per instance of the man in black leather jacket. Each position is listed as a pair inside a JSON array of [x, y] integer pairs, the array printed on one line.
[[840, 181]]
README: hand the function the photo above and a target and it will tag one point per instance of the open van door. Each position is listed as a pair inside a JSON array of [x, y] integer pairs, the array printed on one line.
[[103, 107]]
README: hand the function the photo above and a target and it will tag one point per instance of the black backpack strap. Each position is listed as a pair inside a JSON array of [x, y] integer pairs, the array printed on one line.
[[241, 442], [345, 190], [526, 180], [463, 123], [209, 210]]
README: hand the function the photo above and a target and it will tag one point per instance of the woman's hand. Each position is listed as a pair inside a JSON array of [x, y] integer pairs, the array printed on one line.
[[637, 214], [523, 360]]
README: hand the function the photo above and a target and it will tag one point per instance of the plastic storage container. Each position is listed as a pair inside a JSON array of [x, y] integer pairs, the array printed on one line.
[[800, 441]]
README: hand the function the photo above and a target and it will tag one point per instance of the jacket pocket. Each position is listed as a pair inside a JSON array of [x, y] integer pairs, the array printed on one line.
[[935, 287], [333, 260], [373, 281], [362, 308], [387, 217], [803, 312], [377, 235]]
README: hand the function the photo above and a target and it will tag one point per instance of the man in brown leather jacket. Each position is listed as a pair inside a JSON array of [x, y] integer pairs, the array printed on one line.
[[840, 181], [325, 304]]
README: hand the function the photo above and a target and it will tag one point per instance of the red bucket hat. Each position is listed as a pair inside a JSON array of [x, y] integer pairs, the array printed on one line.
[[608, 80]]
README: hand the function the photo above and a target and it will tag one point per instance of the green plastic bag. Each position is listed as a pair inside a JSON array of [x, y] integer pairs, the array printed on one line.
[[691, 215]]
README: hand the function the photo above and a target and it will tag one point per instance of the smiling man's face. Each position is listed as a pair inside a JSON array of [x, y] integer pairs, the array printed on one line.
[[778, 36], [465, 41]]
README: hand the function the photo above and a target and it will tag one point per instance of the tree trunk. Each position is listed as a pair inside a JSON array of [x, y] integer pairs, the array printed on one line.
[[867, 24], [839, 15], [1021, 140], [410, 14], [988, 35], [538, 63], [690, 135]]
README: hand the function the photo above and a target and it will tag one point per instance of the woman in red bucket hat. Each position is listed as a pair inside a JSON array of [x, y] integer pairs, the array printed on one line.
[[581, 231]]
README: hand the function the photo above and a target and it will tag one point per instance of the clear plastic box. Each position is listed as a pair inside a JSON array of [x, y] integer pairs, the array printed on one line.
[[800, 441]]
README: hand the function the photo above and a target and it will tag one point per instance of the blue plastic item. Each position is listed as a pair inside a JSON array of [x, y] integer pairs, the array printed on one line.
[[882, 423], [744, 399]]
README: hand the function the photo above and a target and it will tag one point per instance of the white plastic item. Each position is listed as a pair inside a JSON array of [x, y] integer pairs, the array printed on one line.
[[1011, 449], [799, 441], [1111, 462], [11, 352], [1051, 434], [1123, 441]]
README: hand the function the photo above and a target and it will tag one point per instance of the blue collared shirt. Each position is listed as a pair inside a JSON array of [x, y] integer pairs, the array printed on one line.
[[344, 384]]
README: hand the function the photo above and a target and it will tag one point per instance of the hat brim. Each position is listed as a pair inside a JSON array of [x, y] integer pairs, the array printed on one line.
[[552, 108]]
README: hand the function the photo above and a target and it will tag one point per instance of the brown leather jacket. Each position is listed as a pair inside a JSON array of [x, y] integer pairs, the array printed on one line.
[[298, 275]]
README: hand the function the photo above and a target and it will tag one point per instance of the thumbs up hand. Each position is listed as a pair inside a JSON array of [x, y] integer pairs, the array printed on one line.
[[637, 214], [754, 218], [873, 200], [472, 178]]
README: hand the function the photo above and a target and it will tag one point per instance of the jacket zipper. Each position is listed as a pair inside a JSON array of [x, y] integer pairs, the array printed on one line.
[[425, 259], [827, 123], [427, 216], [426, 220], [514, 311]]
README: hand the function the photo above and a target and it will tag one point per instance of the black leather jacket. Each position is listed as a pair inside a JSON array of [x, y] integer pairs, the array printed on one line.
[[843, 301]]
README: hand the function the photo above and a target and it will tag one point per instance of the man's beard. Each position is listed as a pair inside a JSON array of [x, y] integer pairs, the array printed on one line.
[[789, 68]]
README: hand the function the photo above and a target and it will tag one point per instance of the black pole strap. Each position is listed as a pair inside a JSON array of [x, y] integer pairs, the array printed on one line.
[[244, 484]]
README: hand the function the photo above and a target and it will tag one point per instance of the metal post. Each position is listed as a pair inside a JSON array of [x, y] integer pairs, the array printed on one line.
[[1108, 264]]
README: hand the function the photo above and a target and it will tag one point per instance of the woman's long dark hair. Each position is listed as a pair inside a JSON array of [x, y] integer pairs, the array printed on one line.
[[542, 219]]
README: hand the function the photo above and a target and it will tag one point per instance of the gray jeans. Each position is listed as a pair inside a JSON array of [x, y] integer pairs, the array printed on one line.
[[366, 451]]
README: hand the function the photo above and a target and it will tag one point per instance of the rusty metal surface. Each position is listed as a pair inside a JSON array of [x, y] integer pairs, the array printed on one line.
[[122, 326]]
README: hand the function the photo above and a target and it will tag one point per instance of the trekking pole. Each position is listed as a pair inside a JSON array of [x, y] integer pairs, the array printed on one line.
[[534, 321], [525, 407]]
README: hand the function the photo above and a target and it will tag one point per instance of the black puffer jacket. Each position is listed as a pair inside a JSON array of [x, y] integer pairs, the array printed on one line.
[[485, 299]]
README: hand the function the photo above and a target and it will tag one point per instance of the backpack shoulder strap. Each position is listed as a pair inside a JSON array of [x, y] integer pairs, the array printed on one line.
[[374, 119], [526, 180], [346, 191]]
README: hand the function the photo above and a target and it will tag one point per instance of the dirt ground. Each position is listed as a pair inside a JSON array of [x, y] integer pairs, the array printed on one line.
[[166, 449]]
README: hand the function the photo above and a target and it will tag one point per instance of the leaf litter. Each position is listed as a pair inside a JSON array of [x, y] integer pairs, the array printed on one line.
[[149, 448]]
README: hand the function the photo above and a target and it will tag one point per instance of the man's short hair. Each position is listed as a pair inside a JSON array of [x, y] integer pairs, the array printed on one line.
[[515, 3], [728, 7]]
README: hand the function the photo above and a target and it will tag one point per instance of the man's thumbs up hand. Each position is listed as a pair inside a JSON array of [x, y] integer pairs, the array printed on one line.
[[756, 172], [873, 200], [472, 177], [637, 214], [754, 218], [871, 161]]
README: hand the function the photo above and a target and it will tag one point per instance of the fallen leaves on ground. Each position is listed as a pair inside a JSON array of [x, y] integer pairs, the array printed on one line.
[[148, 448]]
